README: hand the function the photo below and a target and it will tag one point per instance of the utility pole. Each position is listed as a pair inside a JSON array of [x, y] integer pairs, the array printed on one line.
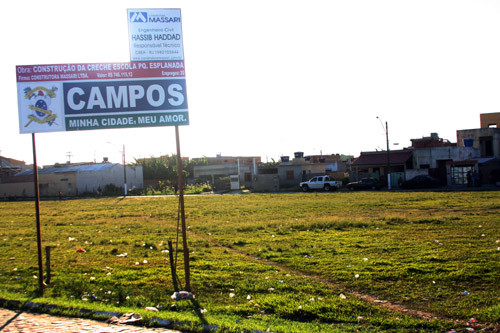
[[69, 156], [388, 165], [388, 157]]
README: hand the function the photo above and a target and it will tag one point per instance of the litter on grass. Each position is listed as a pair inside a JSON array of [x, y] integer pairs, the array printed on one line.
[[182, 295], [125, 319]]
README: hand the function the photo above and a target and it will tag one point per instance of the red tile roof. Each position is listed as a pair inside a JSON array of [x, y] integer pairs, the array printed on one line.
[[13, 161]]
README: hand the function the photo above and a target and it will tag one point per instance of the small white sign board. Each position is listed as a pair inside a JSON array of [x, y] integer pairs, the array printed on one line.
[[155, 34]]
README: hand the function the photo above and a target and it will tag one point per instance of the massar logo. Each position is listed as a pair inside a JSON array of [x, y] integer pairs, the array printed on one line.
[[138, 17], [40, 99]]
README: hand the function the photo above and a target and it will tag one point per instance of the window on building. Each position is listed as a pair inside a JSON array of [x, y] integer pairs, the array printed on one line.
[[468, 142], [486, 144], [289, 175], [425, 166], [459, 174]]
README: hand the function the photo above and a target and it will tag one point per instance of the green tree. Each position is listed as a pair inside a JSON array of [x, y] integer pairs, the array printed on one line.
[[165, 168]]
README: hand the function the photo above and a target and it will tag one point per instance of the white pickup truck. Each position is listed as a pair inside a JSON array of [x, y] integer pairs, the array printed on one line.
[[326, 183]]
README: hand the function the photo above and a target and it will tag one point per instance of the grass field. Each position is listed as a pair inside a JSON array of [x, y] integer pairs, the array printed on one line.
[[303, 262]]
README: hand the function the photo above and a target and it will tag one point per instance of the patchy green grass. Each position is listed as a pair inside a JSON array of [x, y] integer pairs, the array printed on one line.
[[287, 262]]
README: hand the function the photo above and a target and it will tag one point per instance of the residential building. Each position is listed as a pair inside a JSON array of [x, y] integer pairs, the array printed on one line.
[[302, 168], [486, 138], [487, 141], [374, 164], [72, 180], [9, 167], [433, 156], [291, 173], [431, 141], [336, 165], [244, 167], [448, 162], [490, 120]]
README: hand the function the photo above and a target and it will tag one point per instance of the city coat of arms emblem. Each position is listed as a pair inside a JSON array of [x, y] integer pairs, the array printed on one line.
[[39, 102]]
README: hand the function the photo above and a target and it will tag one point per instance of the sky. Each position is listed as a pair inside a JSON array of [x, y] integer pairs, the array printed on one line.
[[270, 78]]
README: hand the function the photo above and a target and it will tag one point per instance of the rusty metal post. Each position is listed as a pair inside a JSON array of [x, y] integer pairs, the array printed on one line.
[[38, 227], [180, 182]]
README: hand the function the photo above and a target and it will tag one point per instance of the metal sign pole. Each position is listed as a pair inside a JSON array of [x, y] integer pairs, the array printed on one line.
[[38, 228], [180, 183], [124, 172]]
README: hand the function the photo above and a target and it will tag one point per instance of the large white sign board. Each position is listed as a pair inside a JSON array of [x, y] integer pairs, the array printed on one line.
[[72, 97], [155, 34]]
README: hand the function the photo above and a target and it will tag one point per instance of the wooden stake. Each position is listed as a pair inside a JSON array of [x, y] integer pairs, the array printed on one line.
[[47, 264]]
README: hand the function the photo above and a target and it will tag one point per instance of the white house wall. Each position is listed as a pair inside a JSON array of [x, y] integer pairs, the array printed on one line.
[[89, 181], [223, 170], [135, 177], [215, 170], [430, 156]]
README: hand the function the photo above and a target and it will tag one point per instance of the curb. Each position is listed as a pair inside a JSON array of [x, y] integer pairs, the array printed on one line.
[[105, 315], [96, 315]]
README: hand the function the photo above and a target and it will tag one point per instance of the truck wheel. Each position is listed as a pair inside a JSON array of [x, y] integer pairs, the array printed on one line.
[[327, 188], [305, 188]]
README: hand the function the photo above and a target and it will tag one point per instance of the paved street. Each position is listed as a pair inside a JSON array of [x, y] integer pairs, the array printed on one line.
[[23, 322]]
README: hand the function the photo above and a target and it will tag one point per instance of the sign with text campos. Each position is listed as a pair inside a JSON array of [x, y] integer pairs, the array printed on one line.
[[71, 97], [155, 34]]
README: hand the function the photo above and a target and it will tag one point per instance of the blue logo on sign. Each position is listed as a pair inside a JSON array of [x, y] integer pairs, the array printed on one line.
[[138, 17]]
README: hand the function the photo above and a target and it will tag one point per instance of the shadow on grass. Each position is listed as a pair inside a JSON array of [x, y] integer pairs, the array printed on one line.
[[197, 310], [119, 199]]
